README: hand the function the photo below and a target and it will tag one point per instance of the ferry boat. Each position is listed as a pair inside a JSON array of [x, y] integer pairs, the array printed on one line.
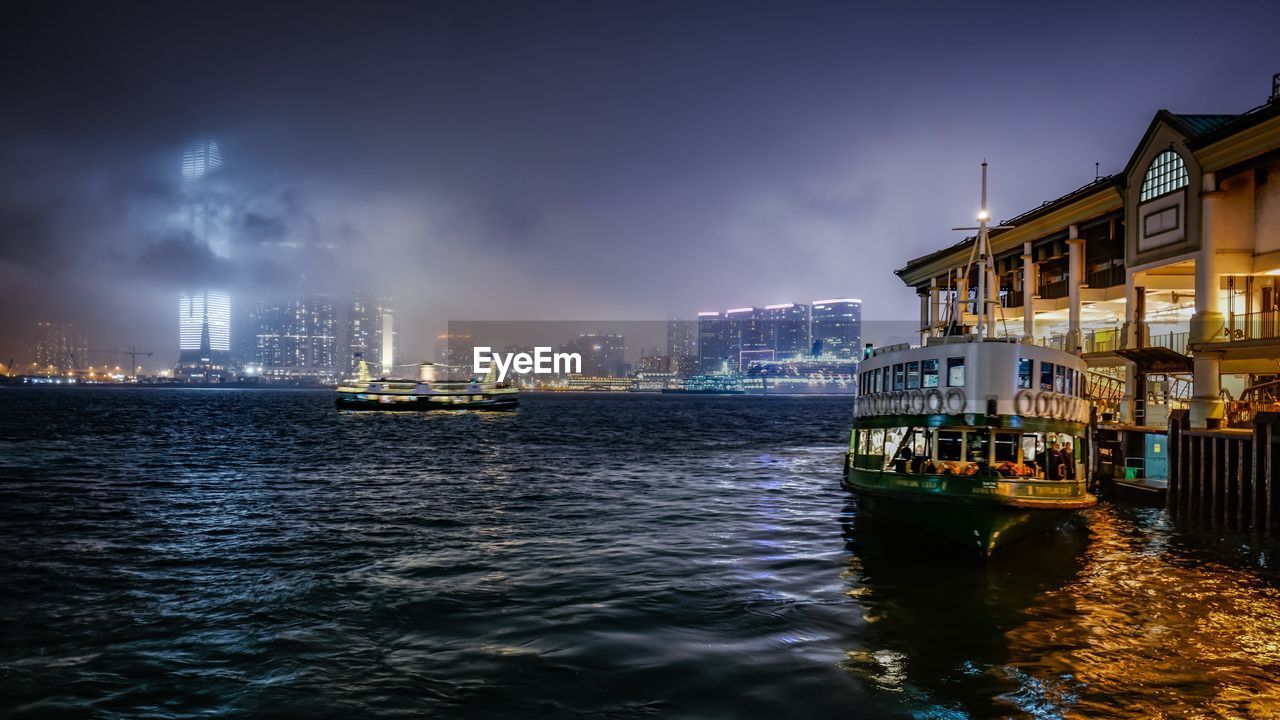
[[426, 393], [972, 438]]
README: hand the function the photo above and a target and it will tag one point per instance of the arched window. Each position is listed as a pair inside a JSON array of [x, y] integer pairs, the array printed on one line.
[[1167, 173]]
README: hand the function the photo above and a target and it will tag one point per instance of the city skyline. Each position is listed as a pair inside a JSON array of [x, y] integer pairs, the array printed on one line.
[[678, 168]]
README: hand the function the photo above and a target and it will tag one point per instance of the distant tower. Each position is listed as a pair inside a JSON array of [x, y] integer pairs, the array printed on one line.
[[836, 328], [204, 315]]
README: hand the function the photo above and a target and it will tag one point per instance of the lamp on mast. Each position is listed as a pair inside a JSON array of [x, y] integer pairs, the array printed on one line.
[[982, 254]]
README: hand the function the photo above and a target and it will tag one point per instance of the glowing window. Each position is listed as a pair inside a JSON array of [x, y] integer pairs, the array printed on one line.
[[1167, 173]]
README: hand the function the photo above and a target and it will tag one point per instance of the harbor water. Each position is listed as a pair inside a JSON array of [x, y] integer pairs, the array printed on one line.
[[241, 553]]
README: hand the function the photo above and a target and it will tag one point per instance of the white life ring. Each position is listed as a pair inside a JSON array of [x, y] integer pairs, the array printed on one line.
[[899, 403], [1043, 401], [1024, 402], [917, 402], [1059, 406], [933, 402], [955, 401]]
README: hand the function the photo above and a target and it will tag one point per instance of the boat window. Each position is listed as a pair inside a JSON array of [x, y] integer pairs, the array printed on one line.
[[893, 445], [1033, 453], [929, 374], [955, 372], [898, 376], [913, 375], [1046, 376], [1060, 379], [875, 380], [978, 445], [950, 444], [1024, 373], [1007, 447], [1071, 382], [860, 447]]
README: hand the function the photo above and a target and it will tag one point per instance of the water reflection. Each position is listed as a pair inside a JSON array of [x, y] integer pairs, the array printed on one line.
[[1130, 617], [936, 620]]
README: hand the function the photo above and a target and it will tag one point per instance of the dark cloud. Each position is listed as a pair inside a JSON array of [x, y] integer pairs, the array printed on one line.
[[563, 160]]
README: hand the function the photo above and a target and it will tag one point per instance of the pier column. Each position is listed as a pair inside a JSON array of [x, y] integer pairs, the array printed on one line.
[[1207, 323], [935, 300], [1075, 276], [1136, 335], [926, 324], [1028, 294]]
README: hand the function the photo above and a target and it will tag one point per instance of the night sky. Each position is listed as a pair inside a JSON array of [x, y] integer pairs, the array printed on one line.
[[593, 160]]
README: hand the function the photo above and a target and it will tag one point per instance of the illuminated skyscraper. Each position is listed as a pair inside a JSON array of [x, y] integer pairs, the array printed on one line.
[[371, 332], [204, 315], [713, 343], [787, 330], [837, 328]]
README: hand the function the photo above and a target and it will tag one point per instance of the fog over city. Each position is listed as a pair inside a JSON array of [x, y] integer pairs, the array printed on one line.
[[560, 161]]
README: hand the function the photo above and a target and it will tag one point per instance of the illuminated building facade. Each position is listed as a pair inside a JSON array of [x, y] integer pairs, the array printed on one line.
[[713, 343], [297, 340], [836, 328], [603, 355], [204, 315], [371, 332], [682, 346], [788, 330], [60, 348]]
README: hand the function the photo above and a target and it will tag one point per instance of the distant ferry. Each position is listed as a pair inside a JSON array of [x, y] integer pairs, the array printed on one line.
[[425, 393]]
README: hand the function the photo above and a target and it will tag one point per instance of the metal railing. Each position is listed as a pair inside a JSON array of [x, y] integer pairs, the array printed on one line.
[[1054, 290], [1263, 325], [1175, 341], [1106, 277]]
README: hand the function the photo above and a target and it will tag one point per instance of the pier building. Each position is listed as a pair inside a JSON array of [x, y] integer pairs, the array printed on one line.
[[1165, 279]]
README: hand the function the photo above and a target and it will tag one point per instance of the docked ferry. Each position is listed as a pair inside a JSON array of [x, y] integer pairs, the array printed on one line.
[[427, 392], [977, 440], [973, 438]]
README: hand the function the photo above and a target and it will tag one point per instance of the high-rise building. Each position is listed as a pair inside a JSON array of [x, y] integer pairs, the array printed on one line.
[[204, 315], [603, 355], [682, 346], [836, 328], [371, 332], [297, 339], [60, 348], [714, 350], [749, 337], [787, 327]]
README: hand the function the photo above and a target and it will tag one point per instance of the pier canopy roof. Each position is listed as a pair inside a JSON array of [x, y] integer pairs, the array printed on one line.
[[1221, 144], [1084, 203]]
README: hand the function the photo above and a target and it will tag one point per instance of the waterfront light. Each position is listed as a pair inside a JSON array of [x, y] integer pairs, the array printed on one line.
[[983, 215]]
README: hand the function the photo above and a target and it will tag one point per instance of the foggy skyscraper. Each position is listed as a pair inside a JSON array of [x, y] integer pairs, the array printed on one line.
[[204, 315]]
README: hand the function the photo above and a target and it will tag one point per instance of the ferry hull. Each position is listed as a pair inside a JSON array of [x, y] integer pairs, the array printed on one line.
[[984, 523], [983, 529]]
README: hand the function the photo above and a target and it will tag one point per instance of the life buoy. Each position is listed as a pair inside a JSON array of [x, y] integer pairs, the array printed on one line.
[[917, 402], [1024, 402], [899, 403], [955, 401], [1059, 406], [933, 402], [1042, 403]]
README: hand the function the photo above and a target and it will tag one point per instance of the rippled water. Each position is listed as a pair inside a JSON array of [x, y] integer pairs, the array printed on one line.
[[234, 553]]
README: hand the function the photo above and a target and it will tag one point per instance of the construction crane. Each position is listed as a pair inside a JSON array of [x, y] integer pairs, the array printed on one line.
[[132, 352]]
